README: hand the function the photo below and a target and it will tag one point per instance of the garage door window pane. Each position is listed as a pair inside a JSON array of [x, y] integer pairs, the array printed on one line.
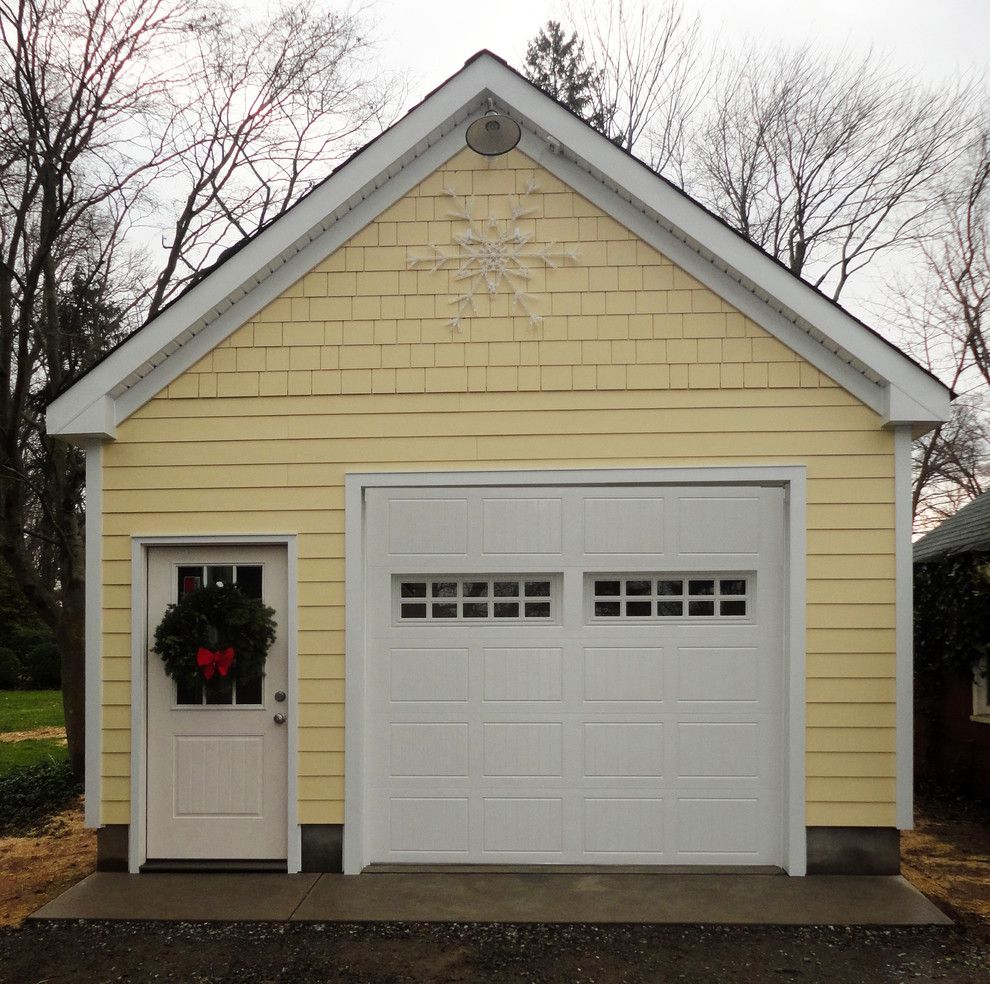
[[538, 609], [668, 596], [413, 589], [636, 609]]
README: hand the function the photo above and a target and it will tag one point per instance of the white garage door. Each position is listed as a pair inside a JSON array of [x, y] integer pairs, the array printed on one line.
[[574, 675]]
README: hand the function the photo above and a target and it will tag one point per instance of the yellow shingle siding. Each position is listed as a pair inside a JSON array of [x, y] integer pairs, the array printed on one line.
[[634, 363]]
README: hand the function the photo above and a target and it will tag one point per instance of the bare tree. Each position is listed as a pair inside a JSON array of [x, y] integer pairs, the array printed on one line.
[[959, 260], [264, 108], [946, 312], [823, 161], [108, 108], [647, 82]]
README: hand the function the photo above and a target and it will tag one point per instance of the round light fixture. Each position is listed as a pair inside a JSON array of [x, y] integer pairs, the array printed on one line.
[[493, 134]]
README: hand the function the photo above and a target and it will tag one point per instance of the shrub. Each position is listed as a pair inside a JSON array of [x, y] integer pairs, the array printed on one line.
[[29, 795], [951, 616]]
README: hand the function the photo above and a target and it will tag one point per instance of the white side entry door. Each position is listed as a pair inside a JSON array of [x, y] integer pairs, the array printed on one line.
[[217, 755]]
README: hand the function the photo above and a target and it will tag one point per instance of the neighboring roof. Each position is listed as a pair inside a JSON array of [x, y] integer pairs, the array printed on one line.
[[966, 532], [256, 270]]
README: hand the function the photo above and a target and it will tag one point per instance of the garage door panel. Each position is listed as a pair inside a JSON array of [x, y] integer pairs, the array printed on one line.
[[718, 827], [523, 675], [626, 674], [523, 749], [576, 739], [719, 750], [721, 674], [624, 525], [624, 825], [718, 525], [429, 749], [428, 675], [427, 526], [624, 750], [523, 825], [428, 824], [521, 526]]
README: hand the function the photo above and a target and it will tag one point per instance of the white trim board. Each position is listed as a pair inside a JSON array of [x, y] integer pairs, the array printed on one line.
[[791, 478], [904, 629], [137, 832], [897, 388], [94, 632]]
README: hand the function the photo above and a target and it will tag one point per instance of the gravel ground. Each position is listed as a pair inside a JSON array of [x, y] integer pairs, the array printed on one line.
[[92, 952]]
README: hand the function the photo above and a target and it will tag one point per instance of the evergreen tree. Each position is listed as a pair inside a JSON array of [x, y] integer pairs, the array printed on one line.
[[559, 68]]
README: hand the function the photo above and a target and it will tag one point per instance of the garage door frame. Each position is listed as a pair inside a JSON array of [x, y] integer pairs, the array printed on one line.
[[791, 478]]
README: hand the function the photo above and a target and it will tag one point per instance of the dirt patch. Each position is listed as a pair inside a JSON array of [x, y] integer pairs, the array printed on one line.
[[38, 868], [52, 732], [947, 856]]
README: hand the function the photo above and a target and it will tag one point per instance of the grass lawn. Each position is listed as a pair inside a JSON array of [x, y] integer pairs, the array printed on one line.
[[31, 751], [23, 710]]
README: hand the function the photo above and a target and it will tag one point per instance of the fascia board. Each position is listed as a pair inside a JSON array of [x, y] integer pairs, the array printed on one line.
[[245, 270], [95, 421], [709, 234], [903, 409]]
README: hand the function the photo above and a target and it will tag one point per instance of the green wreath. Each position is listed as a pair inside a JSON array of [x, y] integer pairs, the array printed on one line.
[[214, 634]]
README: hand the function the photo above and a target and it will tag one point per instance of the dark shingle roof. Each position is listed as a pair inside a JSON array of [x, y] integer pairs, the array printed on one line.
[[966, 532]]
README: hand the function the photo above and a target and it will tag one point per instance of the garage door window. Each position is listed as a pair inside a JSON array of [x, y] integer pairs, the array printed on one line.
[[499, 598], [660, 595]]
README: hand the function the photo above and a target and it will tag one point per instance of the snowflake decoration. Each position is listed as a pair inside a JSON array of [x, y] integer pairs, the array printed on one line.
[[491, 253]]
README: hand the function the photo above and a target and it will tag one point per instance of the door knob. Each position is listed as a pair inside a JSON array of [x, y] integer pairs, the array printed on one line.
[[279, 719]]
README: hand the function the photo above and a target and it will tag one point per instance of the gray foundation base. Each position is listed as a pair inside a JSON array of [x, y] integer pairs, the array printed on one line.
[[854, 851], [111, 847], [323, 847]]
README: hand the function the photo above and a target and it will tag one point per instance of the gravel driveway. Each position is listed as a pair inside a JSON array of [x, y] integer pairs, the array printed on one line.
[[305, 954]]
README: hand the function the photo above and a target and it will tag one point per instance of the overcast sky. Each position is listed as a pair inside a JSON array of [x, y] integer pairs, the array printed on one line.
[[432, 38]]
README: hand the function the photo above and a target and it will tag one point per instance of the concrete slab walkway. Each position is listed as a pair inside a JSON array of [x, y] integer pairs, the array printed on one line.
[[548, 897]]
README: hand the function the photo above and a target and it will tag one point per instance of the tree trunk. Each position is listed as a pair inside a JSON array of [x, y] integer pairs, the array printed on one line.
[[71, 635]]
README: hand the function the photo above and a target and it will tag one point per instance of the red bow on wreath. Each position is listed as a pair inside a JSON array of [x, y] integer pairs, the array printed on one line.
[[210, 661]]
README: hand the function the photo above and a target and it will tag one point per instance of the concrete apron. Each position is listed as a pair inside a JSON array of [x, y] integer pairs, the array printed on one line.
[[546, 897]]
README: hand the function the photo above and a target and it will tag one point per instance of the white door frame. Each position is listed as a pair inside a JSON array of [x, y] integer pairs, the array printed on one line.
[[792, 478], [137, 852]]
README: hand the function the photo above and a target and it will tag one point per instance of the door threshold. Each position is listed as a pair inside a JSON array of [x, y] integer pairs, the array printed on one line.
[[185, 866], [382, 868]]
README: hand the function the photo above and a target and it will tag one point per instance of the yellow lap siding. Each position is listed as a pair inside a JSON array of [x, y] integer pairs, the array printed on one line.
[[634, 364]]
